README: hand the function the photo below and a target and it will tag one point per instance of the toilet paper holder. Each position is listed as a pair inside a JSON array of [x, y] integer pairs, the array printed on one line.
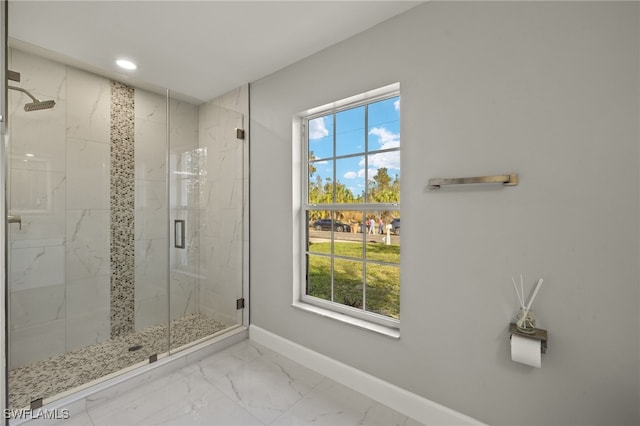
[[539, 334]]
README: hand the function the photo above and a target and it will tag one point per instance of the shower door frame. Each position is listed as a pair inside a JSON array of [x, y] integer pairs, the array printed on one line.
[[3, 208], [241, 286]]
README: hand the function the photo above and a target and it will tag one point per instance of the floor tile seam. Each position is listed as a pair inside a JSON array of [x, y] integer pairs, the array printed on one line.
[[237, 404], [302, 396], [261, 350], [171, 419], [406, 420], [311, 388], [179, 404], [185, 401], [299, 401], [370, 405], [102, 404], [275, 356], [202, 370], [242, 362], [191, 396], [127, 421], [272, 362], [144, 421], [231, 352], [86, 411], [221, 390], [223, 395]]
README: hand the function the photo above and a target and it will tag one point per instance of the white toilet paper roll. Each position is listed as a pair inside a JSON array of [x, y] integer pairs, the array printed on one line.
[[526, 350]]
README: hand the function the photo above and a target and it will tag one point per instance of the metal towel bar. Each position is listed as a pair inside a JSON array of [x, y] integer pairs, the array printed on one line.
[[507, 180]]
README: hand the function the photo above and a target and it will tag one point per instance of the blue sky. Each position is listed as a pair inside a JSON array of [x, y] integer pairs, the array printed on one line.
[[383, 131]]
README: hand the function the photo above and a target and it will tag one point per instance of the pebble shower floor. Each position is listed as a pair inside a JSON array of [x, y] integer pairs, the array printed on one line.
[[60, 373]]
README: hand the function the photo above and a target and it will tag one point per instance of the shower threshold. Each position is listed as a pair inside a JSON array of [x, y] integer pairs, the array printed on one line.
[[53, 376]]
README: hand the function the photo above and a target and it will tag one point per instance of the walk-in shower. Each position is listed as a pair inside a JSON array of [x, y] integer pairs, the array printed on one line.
[[125, 227]]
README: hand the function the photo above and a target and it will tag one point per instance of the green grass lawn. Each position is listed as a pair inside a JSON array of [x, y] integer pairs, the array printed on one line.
[[383, 282]]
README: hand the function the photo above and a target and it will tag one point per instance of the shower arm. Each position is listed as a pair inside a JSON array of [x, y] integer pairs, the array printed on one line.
[[20, 89]]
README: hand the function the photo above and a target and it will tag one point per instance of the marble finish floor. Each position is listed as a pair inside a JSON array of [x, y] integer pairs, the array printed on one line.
[[245, 384], [60, 373]]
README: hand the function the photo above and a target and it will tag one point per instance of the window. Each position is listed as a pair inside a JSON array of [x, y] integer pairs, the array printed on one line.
[[351, 207]]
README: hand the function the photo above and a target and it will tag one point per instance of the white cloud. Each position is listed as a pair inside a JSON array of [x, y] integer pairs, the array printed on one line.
[[317, 129], [396, 105], [361, 171], [390, 160], [386, 139], [350, 175]]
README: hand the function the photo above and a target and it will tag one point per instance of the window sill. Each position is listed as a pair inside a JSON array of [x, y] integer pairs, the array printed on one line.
[[366, 325]]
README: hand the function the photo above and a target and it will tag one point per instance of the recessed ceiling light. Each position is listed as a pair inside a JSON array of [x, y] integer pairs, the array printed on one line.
[[126, 64], [30, 155]]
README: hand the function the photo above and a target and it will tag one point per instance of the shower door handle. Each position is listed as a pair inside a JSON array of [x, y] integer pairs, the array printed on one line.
[[15, 219], [178, 234]]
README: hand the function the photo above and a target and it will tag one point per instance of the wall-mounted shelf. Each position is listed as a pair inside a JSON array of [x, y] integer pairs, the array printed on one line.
[[506, 180]]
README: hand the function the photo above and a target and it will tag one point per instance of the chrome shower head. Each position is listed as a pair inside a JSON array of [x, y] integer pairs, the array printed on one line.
[[37, 104]]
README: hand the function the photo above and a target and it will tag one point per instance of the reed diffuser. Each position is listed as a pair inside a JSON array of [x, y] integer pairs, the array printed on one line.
[[525, 322]]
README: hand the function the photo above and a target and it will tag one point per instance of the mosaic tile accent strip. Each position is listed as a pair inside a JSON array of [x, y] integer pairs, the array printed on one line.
[[60, 373], [122, 209]]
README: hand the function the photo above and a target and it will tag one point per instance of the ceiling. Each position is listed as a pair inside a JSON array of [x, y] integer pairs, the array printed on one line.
[[197, 49]]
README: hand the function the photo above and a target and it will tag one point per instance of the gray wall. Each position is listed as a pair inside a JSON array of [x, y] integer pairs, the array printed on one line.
[[547, 90]]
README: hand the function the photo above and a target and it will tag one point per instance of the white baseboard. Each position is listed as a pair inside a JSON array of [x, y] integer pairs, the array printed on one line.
[[401, 400]]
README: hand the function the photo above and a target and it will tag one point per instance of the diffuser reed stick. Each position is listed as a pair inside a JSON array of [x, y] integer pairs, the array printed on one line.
[[525, 321]]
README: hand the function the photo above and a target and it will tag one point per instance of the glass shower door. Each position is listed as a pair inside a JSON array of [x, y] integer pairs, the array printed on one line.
[[88, 241], [207, 190]]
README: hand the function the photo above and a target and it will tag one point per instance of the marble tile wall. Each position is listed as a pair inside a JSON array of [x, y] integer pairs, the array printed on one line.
[[59, 257], [37, 193], [150, 210], [87, 258], [221, 202], [152, 294], [185, 181]]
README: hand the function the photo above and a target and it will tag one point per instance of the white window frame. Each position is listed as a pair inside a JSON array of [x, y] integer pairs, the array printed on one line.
[[356, 316]]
